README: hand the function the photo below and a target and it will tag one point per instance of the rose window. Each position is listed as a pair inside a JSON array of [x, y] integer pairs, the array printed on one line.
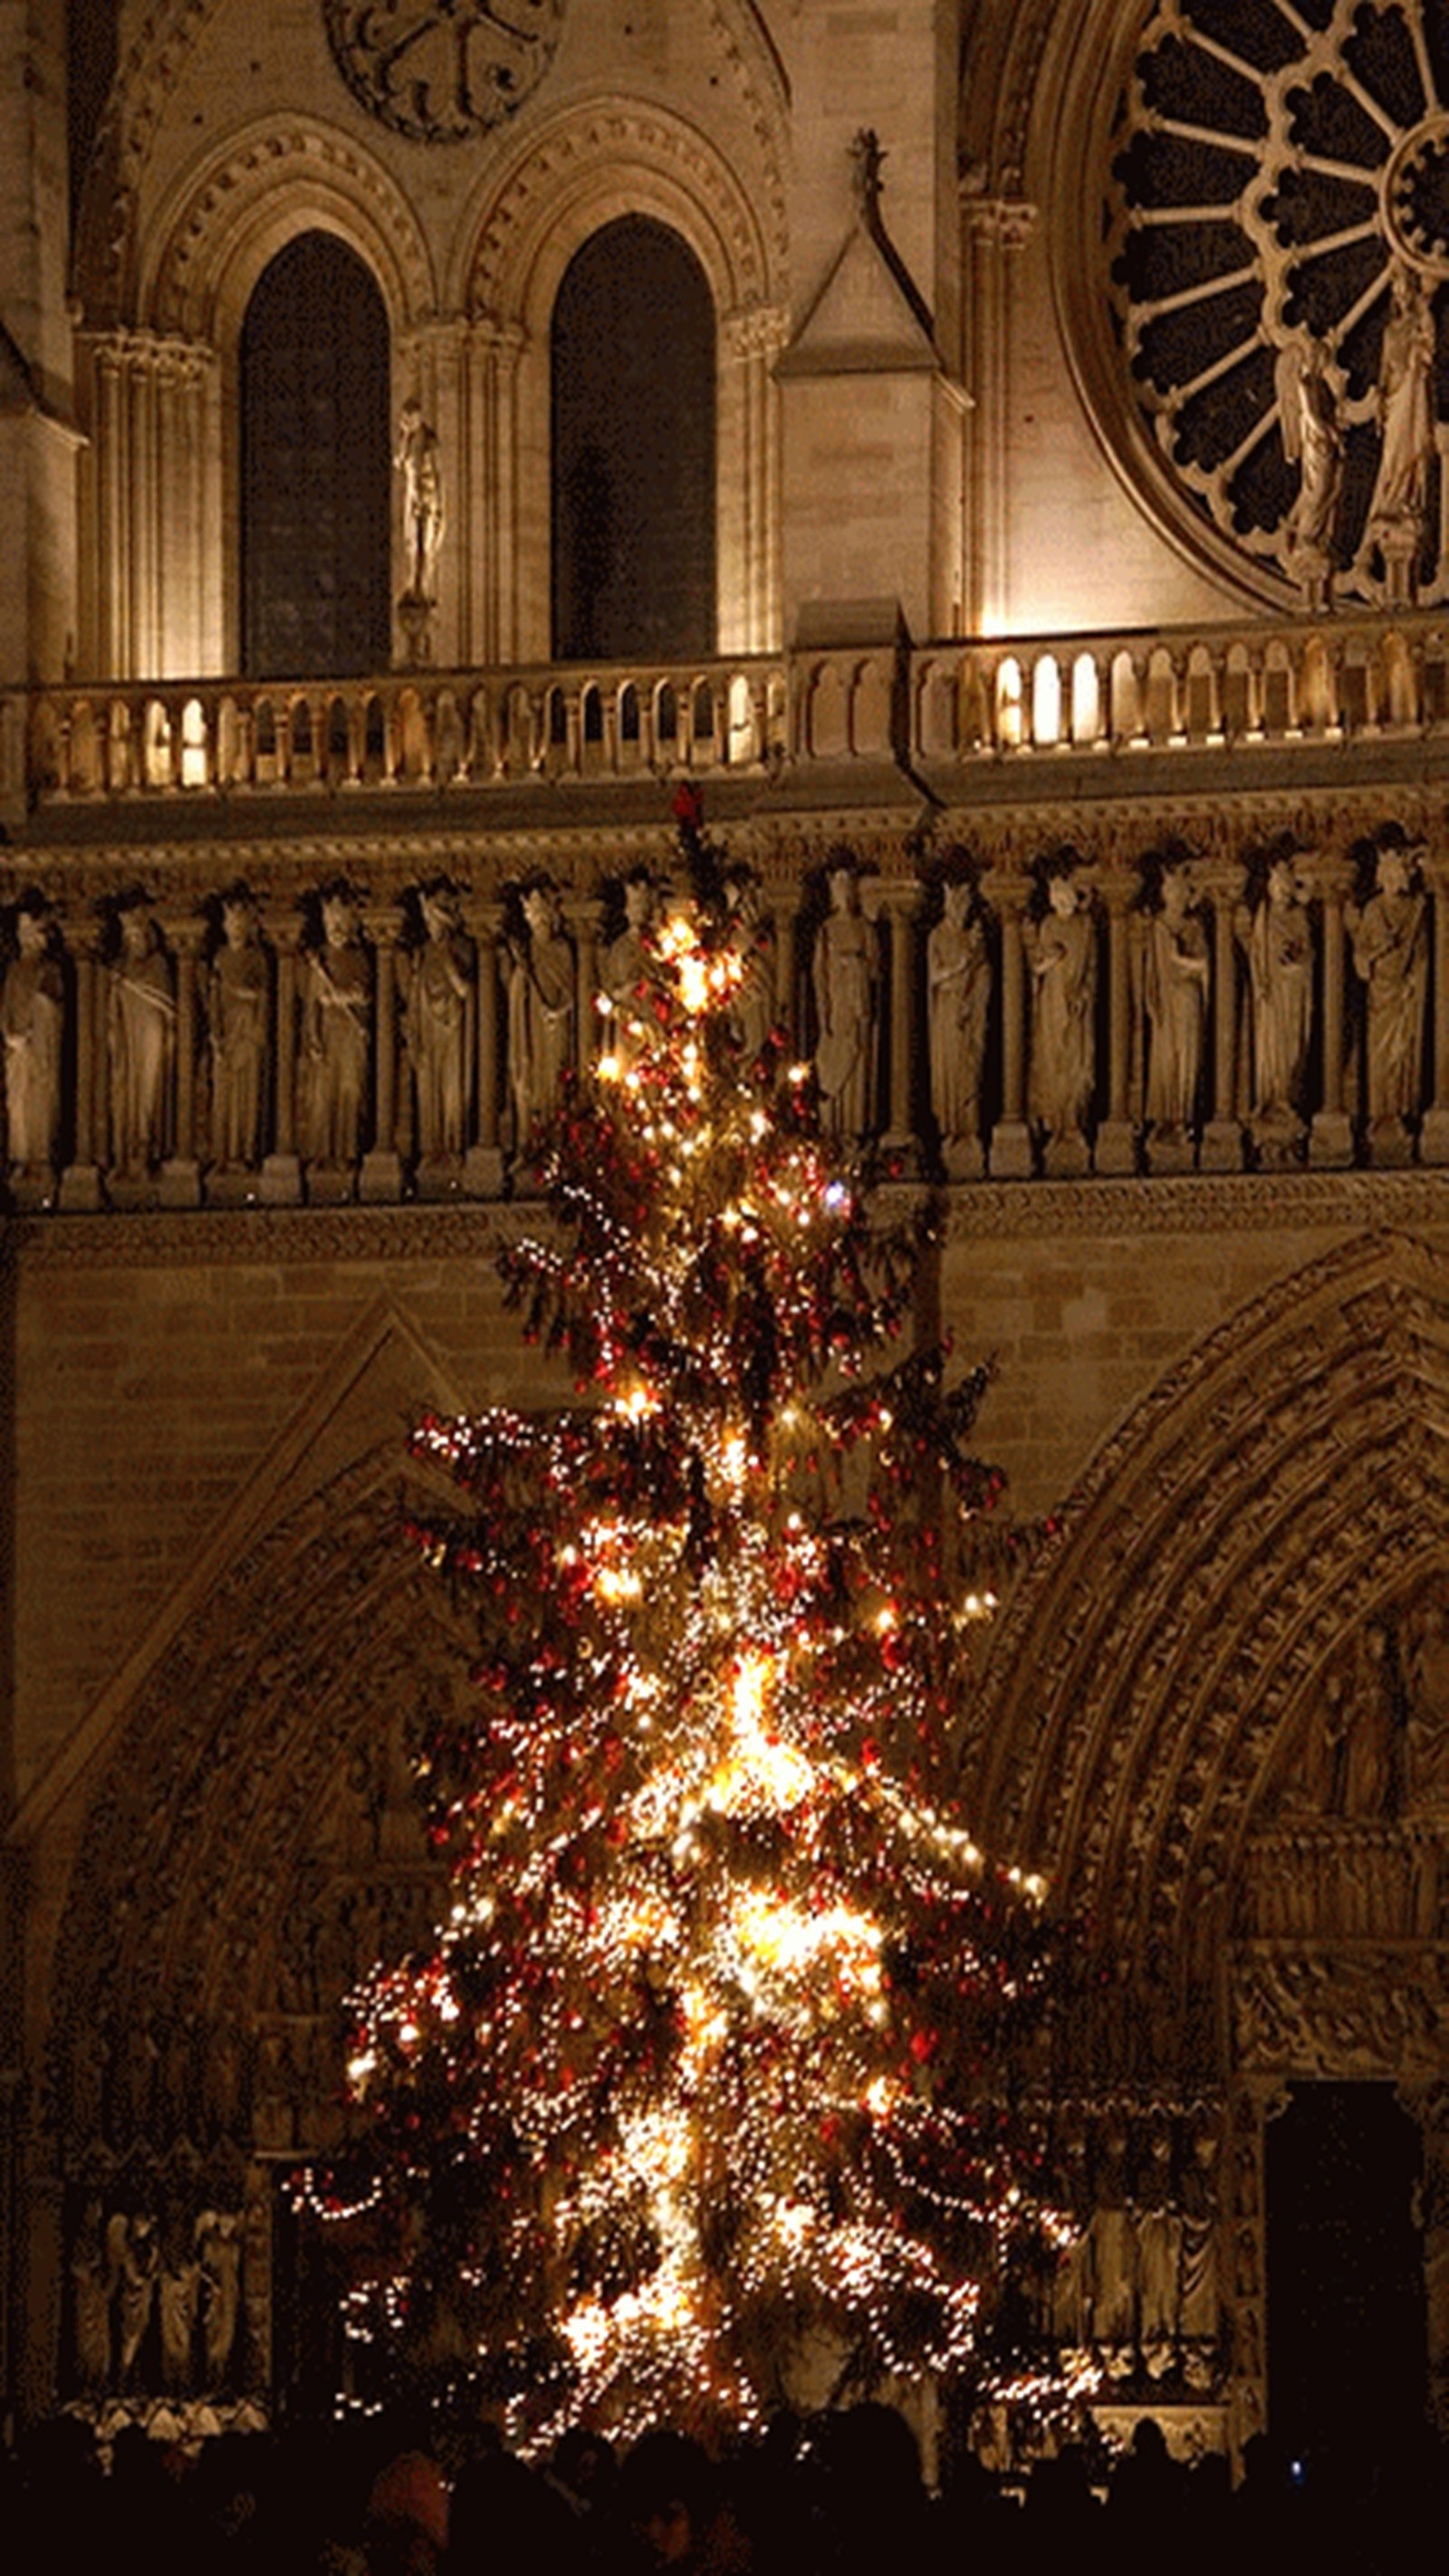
[[1278, 245]]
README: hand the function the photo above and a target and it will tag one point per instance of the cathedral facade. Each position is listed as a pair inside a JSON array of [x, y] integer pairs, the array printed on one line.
[[991, 458]]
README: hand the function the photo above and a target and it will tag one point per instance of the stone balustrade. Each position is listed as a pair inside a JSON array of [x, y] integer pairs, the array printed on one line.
[[1295, 681], [1022, 1022], [418, 730]]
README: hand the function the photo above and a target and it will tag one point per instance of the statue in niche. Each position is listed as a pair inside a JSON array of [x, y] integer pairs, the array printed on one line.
[[958, 992], [1313, 441], [1276, 937], [1373, 1722], [438, 1027], [137, 2259], [32, 1008], [1390, 939], [540, 971], [336, 1036], [1399, 509], [93, 2289], [238, 1012], [752, 941], [1174, 962], [626, 964], [1424, 1646], [418, 459], [845, 972], [1061, 953], [141, 1036], [179, 2298], [219, 2250]]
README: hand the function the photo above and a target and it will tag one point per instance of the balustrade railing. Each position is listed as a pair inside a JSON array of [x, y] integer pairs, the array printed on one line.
[[1017, 1022], [1290, 682]]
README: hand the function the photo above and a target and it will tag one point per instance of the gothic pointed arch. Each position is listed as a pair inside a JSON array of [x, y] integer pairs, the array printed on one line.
[[1159, 1664]]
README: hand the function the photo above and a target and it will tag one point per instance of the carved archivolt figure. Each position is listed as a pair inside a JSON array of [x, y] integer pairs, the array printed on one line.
[[752, 940], [1399, 508], [31, 1022], [1061, 952], [336, 1035], [1391, 954], [438, 1025], [418, 459], [540, 972], [958, 989], [1277, 940], [238, 1013], [141, 1029], [1174, 993], [846, 975]]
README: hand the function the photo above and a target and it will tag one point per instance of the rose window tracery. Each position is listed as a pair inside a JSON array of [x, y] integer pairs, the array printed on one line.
[[1278, 247]]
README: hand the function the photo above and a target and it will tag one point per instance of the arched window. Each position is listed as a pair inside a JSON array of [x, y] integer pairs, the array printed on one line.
[[633, 410], [315, 467]]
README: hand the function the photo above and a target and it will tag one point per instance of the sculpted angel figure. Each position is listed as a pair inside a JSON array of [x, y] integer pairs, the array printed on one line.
[[1313, 441], [1398, 510], [417, 458]]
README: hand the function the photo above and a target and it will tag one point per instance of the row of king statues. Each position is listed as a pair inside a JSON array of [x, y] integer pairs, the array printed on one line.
[[1039, 1024]]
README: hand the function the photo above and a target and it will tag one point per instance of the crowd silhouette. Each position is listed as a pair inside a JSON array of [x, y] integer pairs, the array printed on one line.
[[841, 2495]]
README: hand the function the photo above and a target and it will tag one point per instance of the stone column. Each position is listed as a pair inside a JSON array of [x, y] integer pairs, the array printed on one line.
[[483, 1162], [996, 229], [1222, 1138], [282, 1171], [1330, 1140], [584, 917], [1116, 1137], [80, 1183], [381, 1174], [896, 902], [181, 1173], [1011, 1136], [1434, 1134]]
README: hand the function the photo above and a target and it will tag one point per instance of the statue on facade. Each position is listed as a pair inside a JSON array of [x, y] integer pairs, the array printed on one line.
[[1276, 937], [141, 1037], [845, 971], [1425, 1651], [1061, 953], [417, 458], [1313, 441], [93, 2276], [336, 1036], [626, 964], [540, 972], [958, 992], [1399, 509], [1390, 938], [438, 1027], [32, 1009], [1174, 961], [752, 941], [219, 2253], [238, 1014]]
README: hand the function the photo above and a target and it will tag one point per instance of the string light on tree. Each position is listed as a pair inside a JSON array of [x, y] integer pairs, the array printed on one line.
[[719, 2050]]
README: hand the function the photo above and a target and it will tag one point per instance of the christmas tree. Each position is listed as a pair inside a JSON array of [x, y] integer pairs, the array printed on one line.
[[721, 2053]]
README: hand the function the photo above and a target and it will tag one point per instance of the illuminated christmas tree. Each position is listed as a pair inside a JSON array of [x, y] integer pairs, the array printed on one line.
[[721, 2052]]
